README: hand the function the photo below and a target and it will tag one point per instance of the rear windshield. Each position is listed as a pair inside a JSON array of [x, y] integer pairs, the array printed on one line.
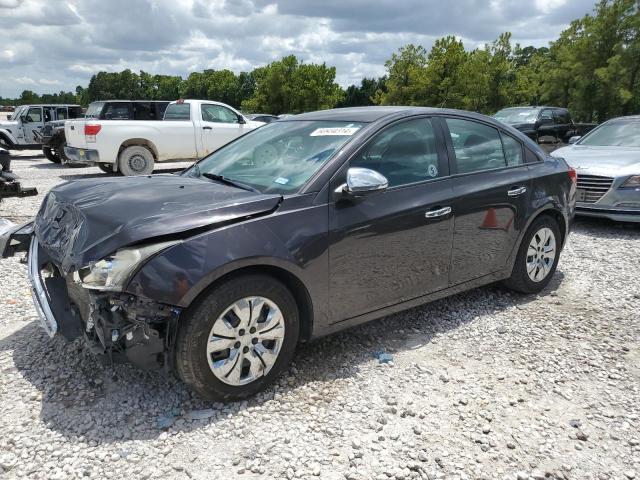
[[94, 110], [178, 111]]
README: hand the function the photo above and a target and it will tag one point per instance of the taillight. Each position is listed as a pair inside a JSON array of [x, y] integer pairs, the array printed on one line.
[[573, 175], [90, 132]]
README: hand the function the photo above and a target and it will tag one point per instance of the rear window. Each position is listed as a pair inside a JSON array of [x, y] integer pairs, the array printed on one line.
[[178, 111], [94, 110], [142, 111], [117, 111]]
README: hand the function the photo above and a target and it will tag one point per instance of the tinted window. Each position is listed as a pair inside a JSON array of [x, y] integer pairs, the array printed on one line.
[[160, 109], [75, 112], [546, 116], [62, 113], [561, 116], [178, 111], [404, 153], [512, 150], [117, 111], [35, 114], [142, 111], [218, 114], [476, 146]]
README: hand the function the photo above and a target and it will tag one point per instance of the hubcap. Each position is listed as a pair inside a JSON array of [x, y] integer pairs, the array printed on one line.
[[137, 163], [245, 341], [541, 254]]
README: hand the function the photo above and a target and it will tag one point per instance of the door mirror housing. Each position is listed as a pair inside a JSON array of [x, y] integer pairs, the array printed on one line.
[[574, 139], [363, 181], [241, 119]]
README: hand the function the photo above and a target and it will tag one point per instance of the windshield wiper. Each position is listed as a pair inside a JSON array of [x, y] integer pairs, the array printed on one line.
[[227, 181]]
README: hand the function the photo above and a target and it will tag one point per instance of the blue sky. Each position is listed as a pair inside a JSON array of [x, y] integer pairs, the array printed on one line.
[[53, 45]]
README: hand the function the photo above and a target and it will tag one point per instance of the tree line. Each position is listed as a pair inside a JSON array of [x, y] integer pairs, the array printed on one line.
[[592, 68]]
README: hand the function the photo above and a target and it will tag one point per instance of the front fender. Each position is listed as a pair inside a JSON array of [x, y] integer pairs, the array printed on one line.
[[8, 137], [295, 241]]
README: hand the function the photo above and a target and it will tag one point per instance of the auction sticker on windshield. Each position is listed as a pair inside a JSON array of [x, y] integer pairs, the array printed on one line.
[[334, 131]]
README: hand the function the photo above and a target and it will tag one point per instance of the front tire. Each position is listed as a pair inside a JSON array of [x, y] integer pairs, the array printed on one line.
[[238, 338], [537, 257], [135, 160], [51, 154], [106, 167]]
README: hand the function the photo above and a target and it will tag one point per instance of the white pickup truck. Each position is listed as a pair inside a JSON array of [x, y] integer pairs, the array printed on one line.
[[190, 130]]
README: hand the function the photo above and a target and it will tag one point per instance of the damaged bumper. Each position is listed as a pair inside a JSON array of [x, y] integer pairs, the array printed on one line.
[[120, 327]]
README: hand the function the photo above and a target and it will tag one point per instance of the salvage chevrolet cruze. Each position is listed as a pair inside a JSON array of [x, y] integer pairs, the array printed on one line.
[[300, 228]]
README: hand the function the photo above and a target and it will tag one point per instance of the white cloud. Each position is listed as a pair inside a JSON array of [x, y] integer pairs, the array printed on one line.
[[65, 42]]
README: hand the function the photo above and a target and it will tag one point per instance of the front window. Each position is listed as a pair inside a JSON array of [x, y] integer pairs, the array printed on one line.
[[218, 114], [616, 133], [517, 115], [16, 113], [279, 157]]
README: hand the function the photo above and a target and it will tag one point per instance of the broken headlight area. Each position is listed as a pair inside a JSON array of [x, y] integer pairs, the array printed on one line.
[[120, 327], [111, 273]]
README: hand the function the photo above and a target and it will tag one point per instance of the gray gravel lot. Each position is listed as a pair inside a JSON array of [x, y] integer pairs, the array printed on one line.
[[486, 384]]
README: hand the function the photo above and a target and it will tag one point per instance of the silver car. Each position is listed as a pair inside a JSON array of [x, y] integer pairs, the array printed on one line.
[[607, 161]]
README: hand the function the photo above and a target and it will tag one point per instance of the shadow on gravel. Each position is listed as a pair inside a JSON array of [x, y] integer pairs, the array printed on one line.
[[82, 398], [27, 157], [596, 227]]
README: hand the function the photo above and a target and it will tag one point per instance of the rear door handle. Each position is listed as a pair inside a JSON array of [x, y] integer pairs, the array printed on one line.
[[514, 192], [438, 212], [206, 128]]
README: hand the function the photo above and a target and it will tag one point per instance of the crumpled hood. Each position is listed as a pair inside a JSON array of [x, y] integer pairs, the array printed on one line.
[[607, 161], [85, 220]]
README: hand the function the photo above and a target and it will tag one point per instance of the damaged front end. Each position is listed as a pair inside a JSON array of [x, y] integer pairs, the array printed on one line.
[[120, 327]]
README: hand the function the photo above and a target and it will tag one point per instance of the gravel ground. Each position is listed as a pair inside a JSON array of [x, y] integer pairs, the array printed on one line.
[[485, 384]]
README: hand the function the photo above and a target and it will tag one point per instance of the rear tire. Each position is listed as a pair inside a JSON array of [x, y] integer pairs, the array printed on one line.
[[203, 364], [51, 154], [533, 268], [136, 160]]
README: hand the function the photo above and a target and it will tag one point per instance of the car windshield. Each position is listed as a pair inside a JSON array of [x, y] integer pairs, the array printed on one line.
[[279, 157], [94, 109], [16, 113], [517, 115], [616, 133]]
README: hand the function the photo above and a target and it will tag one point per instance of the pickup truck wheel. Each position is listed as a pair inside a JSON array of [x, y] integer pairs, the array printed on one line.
[[135, 160], [51, 154], [237, 339]]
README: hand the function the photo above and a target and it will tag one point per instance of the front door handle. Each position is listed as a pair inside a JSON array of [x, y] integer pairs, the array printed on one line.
[[206, 128], [438, 212], [515, 191]]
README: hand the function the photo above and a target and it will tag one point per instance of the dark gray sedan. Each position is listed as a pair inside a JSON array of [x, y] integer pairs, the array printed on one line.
[[607, 161], [298, 229]]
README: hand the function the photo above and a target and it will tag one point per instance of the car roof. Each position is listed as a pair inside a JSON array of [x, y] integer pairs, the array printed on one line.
[[373, 114], [50, 105], [533, 107], [125, 101]]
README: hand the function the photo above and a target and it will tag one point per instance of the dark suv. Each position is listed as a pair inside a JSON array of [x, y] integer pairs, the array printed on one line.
[[53, 138], [536, 122], [298, 229]]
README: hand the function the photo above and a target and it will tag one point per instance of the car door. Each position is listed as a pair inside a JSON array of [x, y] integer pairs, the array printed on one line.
[[394, 245], [31, 121], [492, 188], [220, 125]]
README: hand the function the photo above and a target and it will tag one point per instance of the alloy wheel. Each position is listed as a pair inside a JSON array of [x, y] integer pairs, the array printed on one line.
[[244, 342], [541, 254]]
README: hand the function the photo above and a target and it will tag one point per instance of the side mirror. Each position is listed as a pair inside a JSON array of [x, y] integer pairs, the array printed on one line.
[[241, 119], [574, 139], [362, 182]]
